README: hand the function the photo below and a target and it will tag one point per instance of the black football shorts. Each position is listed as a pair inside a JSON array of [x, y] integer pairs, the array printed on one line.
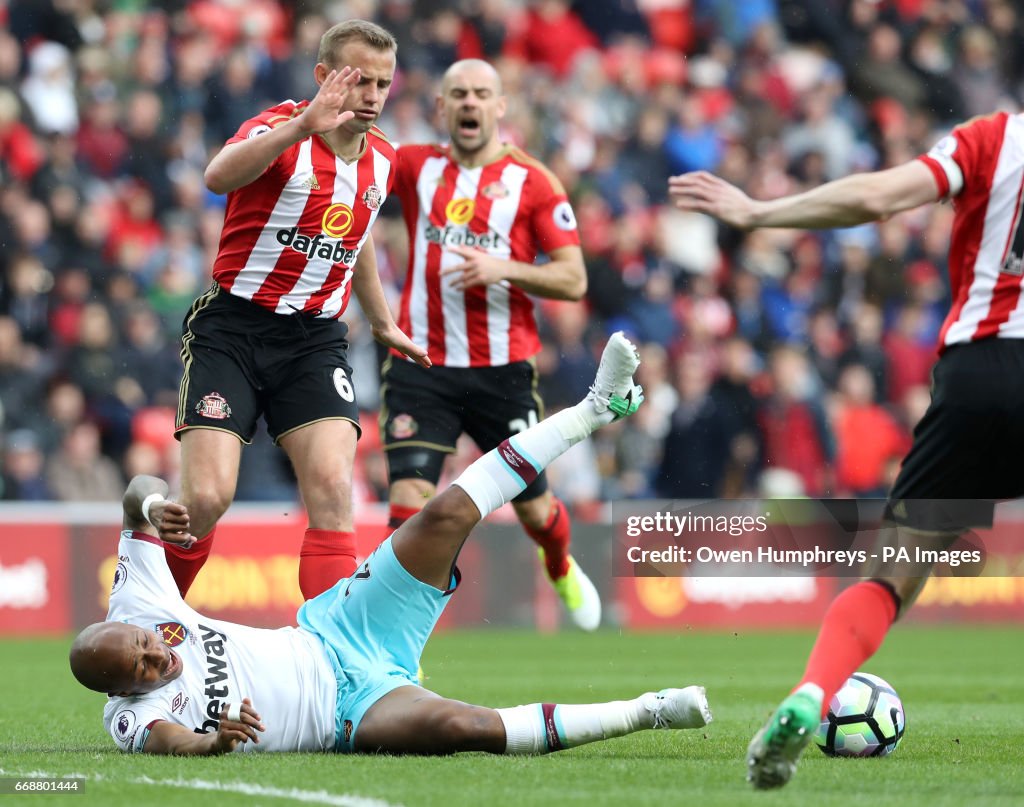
[[967, 448], [423, 412], [242, 361]]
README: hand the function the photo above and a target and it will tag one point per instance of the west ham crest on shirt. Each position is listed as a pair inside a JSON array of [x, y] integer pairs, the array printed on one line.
[[172, 633], [214, 406], [372, 197]]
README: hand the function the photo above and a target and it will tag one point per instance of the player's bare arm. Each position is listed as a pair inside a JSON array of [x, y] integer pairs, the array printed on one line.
[[564, 277], [170, 738], [171, 517], [845, 202], [238, 164], [368, 290]]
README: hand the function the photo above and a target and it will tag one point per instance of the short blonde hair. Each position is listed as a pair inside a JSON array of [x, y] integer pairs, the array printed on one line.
[[367, 32]]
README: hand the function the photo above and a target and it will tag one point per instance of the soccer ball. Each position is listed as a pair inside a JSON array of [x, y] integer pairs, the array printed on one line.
[[865, 719]]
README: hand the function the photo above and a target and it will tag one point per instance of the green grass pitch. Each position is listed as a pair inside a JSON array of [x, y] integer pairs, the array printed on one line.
[[962, 689]]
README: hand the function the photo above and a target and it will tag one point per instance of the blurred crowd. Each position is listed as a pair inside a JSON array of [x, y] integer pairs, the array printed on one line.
[[775, 362]]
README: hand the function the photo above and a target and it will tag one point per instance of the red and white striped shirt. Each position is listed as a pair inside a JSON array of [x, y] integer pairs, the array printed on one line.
[[513, 208], [291, 236], [980, 165]]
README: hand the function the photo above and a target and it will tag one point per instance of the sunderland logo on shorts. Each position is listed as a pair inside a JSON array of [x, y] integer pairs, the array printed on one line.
[[172, 633], [403, 427], [337, 221], [214, 406], [460, 210]]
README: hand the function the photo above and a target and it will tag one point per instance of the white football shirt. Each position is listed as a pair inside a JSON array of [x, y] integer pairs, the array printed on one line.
[[284, 672]]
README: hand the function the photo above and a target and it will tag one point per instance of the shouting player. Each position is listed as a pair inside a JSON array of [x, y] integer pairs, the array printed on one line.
[[477, 213], [345, 680], [967, 447], [305, 182]]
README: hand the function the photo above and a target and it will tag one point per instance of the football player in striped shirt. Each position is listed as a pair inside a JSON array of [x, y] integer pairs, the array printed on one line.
[[967, 446], [478, 212], [304, 183]]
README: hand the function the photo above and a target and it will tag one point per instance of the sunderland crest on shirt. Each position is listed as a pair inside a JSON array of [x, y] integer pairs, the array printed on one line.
[[172, 634], [496, 190], [372, 197], [214, 406]]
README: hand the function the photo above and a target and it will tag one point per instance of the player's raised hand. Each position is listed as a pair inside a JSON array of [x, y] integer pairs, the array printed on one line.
[[478, 268], [395, 337], [231, 732], [172, 522], [702, 192], [324, 112]]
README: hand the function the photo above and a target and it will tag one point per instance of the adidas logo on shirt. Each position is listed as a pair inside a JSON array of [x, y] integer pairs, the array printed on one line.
[[311, 183]]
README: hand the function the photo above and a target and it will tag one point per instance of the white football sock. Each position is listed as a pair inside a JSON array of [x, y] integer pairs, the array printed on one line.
[[503, 473], [544, 727]]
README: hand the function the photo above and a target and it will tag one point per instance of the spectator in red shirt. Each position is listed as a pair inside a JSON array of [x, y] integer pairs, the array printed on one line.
[[793, 426], [867, 436], [550, 35]]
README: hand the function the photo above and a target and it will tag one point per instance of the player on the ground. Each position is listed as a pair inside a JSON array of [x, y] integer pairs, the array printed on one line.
[[478, 212], [305, 182], [968, 445], [345, 680]]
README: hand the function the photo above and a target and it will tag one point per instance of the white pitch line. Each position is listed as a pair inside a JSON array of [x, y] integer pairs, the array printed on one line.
[[246, 788]]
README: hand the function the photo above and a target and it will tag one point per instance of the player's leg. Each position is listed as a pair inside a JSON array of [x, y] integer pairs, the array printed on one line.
[[209, 474], [411, 720], [323, 454], [503, 401], [217, 412], [421, 414], [546, 520], [311, 412], [852, 629], [380, 618], [949, 460], [428, 544]]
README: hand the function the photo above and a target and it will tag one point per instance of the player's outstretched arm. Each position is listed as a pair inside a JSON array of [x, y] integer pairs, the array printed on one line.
[[238, 164], [170, 518], [368, 290], [170, 738], [564, 277], [845, 202]]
